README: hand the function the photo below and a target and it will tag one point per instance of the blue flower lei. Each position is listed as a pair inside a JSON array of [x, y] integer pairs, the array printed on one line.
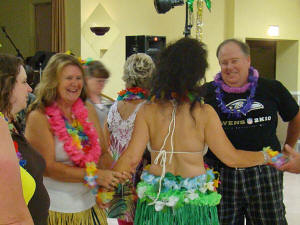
[[247, 106]]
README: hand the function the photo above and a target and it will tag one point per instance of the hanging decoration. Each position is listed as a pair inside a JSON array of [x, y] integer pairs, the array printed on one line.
[[199, 22], [208, 4], [199, 18], [191, 5]]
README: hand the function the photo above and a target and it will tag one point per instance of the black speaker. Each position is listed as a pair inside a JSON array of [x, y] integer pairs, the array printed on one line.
[[151, 45]]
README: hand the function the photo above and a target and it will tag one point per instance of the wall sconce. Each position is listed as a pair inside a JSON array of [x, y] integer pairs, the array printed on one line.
[[99, 31], [273, 30]]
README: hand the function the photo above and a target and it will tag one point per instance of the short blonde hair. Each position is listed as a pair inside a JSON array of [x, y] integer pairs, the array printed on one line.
[[46, 91], [138, 70]]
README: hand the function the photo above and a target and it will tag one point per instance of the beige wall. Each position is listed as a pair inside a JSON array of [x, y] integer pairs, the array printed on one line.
[[138, 17], [18, 18], [252, 20], [14, 15], [73, 29], [287, 63]]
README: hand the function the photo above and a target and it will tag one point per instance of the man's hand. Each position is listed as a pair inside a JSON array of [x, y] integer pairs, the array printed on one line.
[[293, 165]]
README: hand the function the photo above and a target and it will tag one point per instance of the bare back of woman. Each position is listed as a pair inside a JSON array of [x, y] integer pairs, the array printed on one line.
[[188, 138]]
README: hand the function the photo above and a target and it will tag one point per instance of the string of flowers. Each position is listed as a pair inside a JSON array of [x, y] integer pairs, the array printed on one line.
[[188, 97], [221, 86], [22, 162], [276, 158], [133, 93], [12, 129], [79, 154]]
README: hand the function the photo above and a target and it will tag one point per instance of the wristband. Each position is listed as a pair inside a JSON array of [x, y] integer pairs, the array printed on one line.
[[266, 157], [90, 177]]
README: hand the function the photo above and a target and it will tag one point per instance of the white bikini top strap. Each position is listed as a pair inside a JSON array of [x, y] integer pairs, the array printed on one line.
[[162, 155], [171, 131]]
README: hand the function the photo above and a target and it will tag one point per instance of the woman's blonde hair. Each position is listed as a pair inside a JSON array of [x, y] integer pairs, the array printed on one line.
[[46, 91], [138, 70]]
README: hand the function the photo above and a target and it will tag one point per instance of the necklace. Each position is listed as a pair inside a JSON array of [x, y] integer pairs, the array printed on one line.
[[133, 93], [221, 86], [80, 139], [188, 97], [12, 129], [22, 162]]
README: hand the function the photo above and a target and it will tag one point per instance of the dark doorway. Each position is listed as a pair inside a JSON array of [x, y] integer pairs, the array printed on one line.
[[263, 57], [43, 26]]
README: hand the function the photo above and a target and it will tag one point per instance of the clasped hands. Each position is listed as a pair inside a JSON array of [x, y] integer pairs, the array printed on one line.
[[109, 179]]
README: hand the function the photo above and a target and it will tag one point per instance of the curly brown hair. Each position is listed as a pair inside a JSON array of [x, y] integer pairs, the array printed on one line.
[[9, 69], [181, 70]]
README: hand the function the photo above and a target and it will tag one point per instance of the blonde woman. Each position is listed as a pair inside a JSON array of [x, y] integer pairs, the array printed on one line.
[[138, 71], [66, 131]]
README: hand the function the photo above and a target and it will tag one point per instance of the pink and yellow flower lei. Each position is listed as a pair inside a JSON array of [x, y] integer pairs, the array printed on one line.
[[72, 144]]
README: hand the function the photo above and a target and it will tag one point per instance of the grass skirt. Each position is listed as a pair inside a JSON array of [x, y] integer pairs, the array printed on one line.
[[182, 201], [92, 216], [187, 214]]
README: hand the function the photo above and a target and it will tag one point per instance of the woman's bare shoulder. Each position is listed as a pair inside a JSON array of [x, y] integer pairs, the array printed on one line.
[[36, 119], [203, 112], [37, 114]]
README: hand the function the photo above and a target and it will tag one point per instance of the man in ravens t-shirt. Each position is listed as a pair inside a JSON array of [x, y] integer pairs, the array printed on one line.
[[248, 106]]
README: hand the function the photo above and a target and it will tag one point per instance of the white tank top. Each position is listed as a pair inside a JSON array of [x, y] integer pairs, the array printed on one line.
[[67, 197]]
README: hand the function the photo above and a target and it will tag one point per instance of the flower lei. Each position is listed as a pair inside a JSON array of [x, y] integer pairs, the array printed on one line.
[[11, 127], [189, 97], [79, 153], [133, 93], [275, 158], [22, 162], [220, 85]]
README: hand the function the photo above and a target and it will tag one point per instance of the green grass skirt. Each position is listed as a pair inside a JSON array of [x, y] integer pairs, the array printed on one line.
[[187, 214]]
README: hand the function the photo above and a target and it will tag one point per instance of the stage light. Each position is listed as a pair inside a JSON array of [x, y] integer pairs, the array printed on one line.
[[163, 6]]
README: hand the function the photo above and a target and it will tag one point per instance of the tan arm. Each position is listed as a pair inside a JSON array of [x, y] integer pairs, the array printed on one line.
[[13, 209], [293, 131], [105, 160], [38, 134], [220, 145]]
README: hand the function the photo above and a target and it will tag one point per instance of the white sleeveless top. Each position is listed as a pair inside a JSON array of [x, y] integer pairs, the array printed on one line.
[[67, 197], [120, 130]]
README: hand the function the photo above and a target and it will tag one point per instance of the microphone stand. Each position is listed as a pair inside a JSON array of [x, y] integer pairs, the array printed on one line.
[[12, 43], [187, 27]]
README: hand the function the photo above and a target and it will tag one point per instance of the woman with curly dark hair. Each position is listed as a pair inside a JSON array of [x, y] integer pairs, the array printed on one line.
[[177, 188]]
